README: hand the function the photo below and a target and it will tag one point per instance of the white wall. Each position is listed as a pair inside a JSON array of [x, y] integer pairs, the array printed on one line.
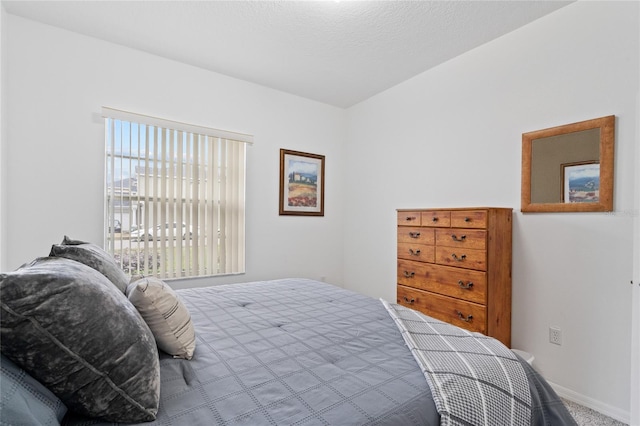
[[2, 129], [635, 282], [451, 137], [57, 83]]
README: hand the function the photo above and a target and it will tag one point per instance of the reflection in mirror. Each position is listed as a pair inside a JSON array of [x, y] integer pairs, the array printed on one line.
[[550, 155], [569, 168]]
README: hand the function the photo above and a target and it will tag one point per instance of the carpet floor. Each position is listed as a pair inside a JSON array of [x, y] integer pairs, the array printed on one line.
[[587, 417]]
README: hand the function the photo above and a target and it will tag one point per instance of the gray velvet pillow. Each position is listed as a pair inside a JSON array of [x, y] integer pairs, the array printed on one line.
[[93, 256], [71, 329], [24, 400]]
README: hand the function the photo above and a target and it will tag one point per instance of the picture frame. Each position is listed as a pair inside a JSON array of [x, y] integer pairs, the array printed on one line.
[[580, 182], [301, 183]]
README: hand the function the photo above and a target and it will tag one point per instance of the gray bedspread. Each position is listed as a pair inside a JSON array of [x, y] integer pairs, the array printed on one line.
[[301, 352]]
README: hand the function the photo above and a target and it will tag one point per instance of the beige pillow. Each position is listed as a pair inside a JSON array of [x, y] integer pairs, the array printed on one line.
[[165, 314]]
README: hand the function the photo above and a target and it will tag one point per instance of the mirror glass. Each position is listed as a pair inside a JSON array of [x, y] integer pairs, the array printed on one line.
[[569, 168]]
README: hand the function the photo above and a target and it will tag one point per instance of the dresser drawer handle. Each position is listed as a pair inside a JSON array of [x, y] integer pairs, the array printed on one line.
[[408, 274], [467, 219], [435, 219], [459, 259], [467, 319], [413, 252], [410, 218], [459, 239], [409, 301], [468, 285], [414, 234]]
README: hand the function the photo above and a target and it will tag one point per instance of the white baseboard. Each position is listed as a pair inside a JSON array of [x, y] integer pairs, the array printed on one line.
[[601, 407]]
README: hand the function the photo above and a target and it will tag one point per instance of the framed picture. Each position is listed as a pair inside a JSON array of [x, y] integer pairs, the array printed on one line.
[[301, 183], [580, 182]]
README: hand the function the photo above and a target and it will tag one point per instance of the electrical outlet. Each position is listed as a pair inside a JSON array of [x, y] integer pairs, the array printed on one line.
[[555, 335]]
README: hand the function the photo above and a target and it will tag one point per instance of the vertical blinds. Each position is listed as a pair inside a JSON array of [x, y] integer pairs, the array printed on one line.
[[174, 196]]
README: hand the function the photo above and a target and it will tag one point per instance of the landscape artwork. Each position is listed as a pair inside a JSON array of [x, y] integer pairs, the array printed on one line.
[[301, 183], [581, 182]]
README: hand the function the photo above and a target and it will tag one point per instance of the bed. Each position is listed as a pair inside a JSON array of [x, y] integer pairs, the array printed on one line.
[[287, 352]]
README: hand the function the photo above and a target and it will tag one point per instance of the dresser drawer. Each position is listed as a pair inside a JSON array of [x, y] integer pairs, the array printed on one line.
[[469, 219], [411, 273], [462, 257], [408, 218], [413, 234], [455, 282], [467, 238], [436, 218], [419, 252], [467, 315]]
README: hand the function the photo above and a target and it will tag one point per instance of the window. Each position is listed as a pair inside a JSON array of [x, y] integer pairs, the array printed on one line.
[[174, 197]]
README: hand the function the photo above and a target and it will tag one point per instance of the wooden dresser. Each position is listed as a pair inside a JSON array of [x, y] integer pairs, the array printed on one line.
[[455, 265]]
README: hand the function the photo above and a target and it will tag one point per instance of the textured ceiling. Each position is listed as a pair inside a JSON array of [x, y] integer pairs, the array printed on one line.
[[339, 53]]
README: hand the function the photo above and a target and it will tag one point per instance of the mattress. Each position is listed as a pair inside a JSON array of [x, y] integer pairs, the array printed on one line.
[[301, 352]]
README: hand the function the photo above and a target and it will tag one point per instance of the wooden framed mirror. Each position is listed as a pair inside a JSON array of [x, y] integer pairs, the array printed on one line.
[[569, 168]]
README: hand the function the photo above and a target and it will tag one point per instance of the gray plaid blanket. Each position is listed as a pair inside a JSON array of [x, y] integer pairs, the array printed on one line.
[[483, 370]]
